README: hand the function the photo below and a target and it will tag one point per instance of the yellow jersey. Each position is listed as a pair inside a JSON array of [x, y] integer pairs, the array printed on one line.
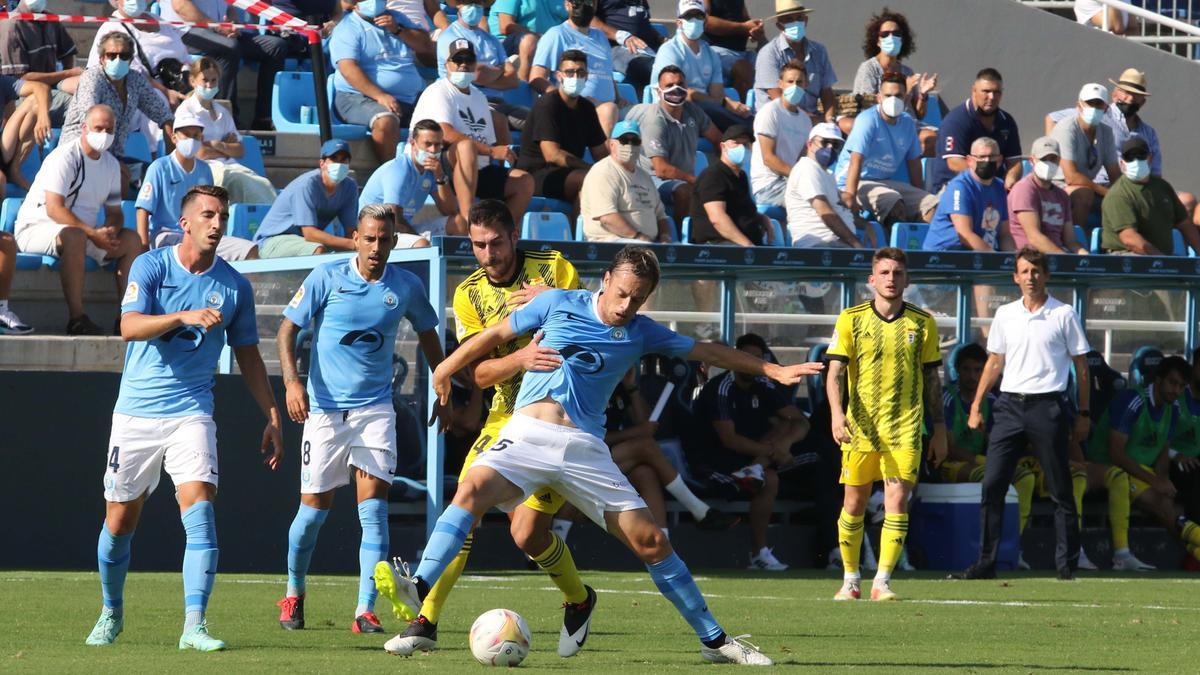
[[479, 303], [885, 374]]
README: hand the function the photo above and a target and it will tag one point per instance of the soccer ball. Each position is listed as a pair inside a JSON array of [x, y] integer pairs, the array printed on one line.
[[499, 637]]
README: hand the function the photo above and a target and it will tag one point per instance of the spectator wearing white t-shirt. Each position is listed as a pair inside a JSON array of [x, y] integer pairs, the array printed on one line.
[[474, 150], [780, 130], [1097, 14], [222, 144], [816, 216], [61, 214]]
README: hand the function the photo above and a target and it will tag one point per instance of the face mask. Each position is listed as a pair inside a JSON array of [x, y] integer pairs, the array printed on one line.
[[892, 106], [133, 7], [188, 147], [985, 170], [207, 93], [891, 45], [675, 96], [470, 14], [371, 8], [628, 153], [573, 86], [1137, 170], [35, 6], [1045, 170], [794, 94], [337, 172], [461, 79], [100, 140], [736, 154], [693, 28], [422, 157], [824, 157], [1128, 108], [794, 30], [116, 69], [581, 15], [1091, 116]]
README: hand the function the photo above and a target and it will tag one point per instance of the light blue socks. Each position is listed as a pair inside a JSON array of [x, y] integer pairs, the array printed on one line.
[[675, 582], [447, 539], [302, 538], [199, 560], [372, 515], [112, 557]]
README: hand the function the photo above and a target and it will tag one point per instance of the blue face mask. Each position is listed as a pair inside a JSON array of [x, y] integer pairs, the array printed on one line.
[[1137, 170], [692, 28], [470, 14], [371, 8], [421, 158], [1092, 116], [794, 94], [573, 86], [337, 172], [461, 79], [736, 154], [35, 6], [116, 69], [794, 31], [891, 45], [133, 7], [825, 157]]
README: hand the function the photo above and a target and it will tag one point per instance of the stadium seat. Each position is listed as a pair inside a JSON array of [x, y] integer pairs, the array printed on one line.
[[772, 211], [1080, 236], [701, 163], [137, 147], [547, 226], [579, 228], [1180, 246], [732, 93], [909, 236], [816, 383], [8, 218], [951, 371], [245, 218], [648, 95], [880, 239], [933, 113], [750, 98], [1141, 367], [781, 238], [293, 90], [685, 232], [549, 204], [252, 157], [1094, 244], [341, 129], [521, 95], [627, 93]]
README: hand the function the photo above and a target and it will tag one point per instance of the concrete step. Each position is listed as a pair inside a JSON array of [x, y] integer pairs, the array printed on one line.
[[62, 353], [37, 297]]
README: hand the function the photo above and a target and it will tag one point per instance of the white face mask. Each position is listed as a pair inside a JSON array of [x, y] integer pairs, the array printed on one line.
[[892, 106], [1045, 170], [100, 140], [628, 153], [188, 147]]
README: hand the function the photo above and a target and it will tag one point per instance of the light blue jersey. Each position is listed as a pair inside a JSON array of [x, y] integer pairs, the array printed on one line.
[[356, 325], [564, 37], [398, 181], [595, 355], [163, 189], [886, 148], [384, 58], [172, 375]]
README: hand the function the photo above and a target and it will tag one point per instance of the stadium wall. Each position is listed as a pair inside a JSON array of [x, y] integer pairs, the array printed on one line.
[[1045, 59]]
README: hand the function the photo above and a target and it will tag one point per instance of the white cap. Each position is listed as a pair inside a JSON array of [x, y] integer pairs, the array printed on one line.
[[686, 6], [826, 130], [186, 118], [1094, 92]]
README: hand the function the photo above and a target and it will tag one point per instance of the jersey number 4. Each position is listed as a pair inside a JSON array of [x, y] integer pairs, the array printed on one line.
[[113, 457]]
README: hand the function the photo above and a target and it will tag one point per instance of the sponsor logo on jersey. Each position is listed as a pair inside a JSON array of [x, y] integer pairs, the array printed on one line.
[[189, 338], [295, 303], [370, 339], [131, 293], [585, 359]]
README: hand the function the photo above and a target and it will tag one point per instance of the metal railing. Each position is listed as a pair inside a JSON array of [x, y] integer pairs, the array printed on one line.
[[1169, 25]]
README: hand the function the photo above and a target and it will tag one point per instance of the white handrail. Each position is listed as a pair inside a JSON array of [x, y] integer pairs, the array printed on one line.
[[1153, 17]]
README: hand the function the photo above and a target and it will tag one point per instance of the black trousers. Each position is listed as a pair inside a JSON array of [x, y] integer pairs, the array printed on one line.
[[1043, 425], [1188, 485]]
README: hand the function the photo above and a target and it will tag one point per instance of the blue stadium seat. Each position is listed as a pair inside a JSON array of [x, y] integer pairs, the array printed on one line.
[[781, 237], [772, 211], [701, 163], [8, 218], [1080, 236], [933, 113], [879, 236], [340, 128], [33, 163], [750, 98], [1094, 244], [579, 228], [648, 95], [732, 93], [138, 147], [1141, 367], [909, 236], [1180, 246], [252, 158], [547, 226], [245, 218], [521, 95], [293, 90], [951, 371], [627, 93], [685, 232], [816, 383], [548, 204]]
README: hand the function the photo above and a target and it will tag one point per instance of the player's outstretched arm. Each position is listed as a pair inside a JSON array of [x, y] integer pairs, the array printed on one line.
[[431, 347], [255, 373], [739, 361], [138, 326], [467, 353], [296, 397]]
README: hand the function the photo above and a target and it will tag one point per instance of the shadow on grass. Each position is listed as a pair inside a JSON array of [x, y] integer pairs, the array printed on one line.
[[1040, 667]]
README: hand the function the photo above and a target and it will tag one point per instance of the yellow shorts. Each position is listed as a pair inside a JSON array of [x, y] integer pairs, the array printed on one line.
[[544, 501], [1137, 486], [864, 468]]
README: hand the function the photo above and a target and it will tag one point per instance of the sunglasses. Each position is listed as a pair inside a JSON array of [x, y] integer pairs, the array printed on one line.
[[575, 72], [629, 140], [1135, 155], [124, 56], [889, 33]]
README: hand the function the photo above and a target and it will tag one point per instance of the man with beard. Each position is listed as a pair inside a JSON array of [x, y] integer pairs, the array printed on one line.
[[980, 115]]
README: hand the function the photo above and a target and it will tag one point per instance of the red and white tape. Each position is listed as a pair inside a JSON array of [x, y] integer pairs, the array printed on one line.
[[280, 20]]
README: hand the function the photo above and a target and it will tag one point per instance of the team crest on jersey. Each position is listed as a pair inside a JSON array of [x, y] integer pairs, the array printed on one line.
[[912, 337], [390, 300], [619, 333], [214, 299], [295, 303], [131, 293]]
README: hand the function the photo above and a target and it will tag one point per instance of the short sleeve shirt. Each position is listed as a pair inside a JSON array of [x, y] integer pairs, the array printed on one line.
[[750, 409], [1089, 156], [94, 88], [719, 183], [730, 10], [468, 113], [398, 181], [772, 57], [959, 130], [870, 74], [886, 148], [669, 138], [87, 185], [551, 119], [33, 46], [166, 42], [1121, 133], [488, 50], [163, 188], [985, 205], [563, 37], [701, 68], [218, 124], [807, 182], [1037, 346], [304, 203], [1151, 208], [789, 130], [609, 188], [1051, 205], [537, 16], [384, 58], [629, 15], [213, 9]]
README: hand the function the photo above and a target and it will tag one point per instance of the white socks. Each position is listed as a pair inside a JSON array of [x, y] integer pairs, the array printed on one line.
[[683, 494]]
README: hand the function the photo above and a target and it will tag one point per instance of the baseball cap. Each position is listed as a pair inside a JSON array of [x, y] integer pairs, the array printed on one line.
[[187, 118], [826, 130], [626, 127], [737, 131], [687, 6], [1093, 92], [333, 146], [1135, 143], [1044, 147], [461, 47]]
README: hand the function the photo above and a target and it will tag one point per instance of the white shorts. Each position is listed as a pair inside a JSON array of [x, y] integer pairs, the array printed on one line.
[[229, 248], [364, 438], [42, 239], [140, 447], [533, 454]]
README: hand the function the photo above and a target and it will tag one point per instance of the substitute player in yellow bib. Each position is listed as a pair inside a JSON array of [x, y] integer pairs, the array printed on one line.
[[506, 279], [882, 382]]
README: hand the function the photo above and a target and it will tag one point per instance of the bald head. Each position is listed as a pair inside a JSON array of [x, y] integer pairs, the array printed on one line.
[[100, 118]]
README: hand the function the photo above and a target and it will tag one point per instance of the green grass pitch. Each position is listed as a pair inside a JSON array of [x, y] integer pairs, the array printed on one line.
[[1021, 624]]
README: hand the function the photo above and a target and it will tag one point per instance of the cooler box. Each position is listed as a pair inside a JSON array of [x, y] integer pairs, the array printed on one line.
[[944, 530]]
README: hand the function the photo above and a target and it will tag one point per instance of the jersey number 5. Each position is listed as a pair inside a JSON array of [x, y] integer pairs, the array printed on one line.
[[500, 445]]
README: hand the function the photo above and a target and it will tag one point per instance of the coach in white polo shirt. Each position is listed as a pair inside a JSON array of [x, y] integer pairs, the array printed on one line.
[[1033, 341]]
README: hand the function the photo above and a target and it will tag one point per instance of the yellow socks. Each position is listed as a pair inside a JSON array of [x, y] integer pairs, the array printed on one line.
[[891, 540], [850, 536], [1024, 481], [1116, 482], [432, 606], [1190, 533], [556, 561], [1078, 487]]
